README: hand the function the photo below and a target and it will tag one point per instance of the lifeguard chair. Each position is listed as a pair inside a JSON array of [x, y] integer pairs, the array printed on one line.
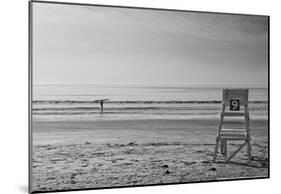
[[236, 101]]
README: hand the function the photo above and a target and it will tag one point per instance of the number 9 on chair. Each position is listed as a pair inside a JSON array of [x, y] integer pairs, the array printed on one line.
[[234, 105]]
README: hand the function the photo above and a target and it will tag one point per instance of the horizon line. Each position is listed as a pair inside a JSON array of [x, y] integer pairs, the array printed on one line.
[[155, 85]]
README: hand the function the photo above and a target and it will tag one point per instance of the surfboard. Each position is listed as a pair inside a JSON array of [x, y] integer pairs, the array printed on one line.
[[101, 100]]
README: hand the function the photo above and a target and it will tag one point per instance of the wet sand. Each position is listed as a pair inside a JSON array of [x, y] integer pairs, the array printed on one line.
[[92, 154]]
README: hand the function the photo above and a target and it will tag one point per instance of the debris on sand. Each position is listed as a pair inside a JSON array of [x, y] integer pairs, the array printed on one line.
[[167, 172], [212, 169], [51, 148], [109, 145], [132, 144]]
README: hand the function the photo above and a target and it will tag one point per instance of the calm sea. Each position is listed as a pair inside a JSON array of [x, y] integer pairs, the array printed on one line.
[[78, 102]]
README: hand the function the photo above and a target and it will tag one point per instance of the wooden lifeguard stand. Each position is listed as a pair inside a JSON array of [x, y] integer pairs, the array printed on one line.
[[234, 100]]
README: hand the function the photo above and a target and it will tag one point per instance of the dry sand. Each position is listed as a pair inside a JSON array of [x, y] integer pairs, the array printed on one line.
[[91, 154]]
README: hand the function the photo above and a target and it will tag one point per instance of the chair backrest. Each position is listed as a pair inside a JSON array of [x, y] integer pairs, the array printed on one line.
[[235, 94]]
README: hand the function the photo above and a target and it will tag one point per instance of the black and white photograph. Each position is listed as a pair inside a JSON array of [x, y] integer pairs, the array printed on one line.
[[124, 96]]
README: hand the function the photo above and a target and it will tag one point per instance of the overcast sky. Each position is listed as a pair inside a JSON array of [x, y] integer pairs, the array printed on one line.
[[102, 45]]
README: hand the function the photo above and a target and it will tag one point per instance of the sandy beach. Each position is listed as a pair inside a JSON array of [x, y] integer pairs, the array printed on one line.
[[93, 154]]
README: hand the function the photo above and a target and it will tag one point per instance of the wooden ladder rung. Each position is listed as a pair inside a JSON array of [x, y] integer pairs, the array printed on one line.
[[233, 134], [231, 137], [233, 130], [233, 122]]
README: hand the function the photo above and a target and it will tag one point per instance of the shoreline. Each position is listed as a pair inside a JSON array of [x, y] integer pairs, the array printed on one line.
[[111, 118]]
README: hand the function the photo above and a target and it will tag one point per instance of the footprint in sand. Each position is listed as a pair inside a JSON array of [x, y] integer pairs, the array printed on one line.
[[51, 178], [73, 175], [127, 163], [94, 170], [189, 163], [51, 148]]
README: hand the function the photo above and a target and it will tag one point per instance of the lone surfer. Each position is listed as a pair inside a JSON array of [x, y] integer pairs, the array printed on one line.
[[101, 105], [101, 101]]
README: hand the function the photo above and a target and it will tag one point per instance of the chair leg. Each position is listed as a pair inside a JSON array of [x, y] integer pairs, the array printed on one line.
[[225, 149], [216, 150], [249, 151], [221, 147]]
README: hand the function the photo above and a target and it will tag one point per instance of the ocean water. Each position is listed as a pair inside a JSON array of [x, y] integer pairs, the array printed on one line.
[[79, 102]]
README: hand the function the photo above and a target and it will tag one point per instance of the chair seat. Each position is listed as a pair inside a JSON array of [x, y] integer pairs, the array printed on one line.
[[234, 114], [233, 138]]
